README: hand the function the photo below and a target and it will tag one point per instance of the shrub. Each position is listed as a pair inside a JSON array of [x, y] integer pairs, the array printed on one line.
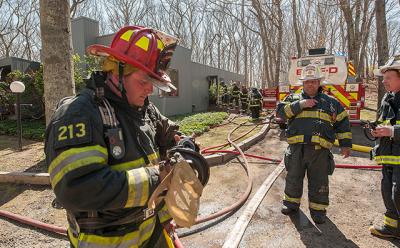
[[189, 124], [200, 123], [31, 129], [34, 86]]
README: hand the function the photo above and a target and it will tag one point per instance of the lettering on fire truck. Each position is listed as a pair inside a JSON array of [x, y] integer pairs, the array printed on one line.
[[330, 70]]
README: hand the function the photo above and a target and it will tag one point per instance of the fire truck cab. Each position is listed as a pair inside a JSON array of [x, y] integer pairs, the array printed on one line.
[[340, 81]]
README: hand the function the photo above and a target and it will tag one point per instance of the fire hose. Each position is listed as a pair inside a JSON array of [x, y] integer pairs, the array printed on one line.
[[277, 161], [226, 211]]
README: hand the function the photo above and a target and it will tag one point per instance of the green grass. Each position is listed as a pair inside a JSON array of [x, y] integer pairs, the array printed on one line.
[[189, 123], [31, 129], [199, 123]]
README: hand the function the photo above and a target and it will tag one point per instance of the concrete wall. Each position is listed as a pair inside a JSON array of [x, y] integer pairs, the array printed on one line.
[[199, 73], [84, 33], [10, 64], [193, 84], [181, 104]]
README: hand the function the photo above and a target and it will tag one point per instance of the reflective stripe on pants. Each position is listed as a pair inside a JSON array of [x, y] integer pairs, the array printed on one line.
[[391, 194], [300, 159]]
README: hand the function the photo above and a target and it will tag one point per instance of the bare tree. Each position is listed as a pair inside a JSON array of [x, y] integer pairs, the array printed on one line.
[[256, 38], [29, 33], [260, 15], [74, 7], [381, 41], [296, 28], [125, 12], [55, 27], [358, 19], [11, 21]]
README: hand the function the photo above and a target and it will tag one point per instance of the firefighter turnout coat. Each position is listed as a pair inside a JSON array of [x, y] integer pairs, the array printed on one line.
[[319, 125], [310, 134], [104, 176], [387, 153]]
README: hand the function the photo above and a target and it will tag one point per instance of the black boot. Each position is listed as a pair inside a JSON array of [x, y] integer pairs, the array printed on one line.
[[287, 210], [319, 217], [384, 232]]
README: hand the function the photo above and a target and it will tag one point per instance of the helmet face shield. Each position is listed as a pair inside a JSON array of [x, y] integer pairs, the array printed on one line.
[[159, 84]]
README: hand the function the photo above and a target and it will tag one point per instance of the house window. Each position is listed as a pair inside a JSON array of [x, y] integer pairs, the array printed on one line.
[[174, 75]]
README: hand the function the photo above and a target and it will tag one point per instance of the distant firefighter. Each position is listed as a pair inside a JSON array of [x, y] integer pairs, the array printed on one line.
[[255, 105], [235, 95], [244, 99], [225, 95]]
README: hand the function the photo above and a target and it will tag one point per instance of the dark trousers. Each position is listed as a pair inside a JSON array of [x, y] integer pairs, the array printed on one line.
[[225, 100], [390, 189], [255, 112], [235, 101], [244, 106], [318, 163]]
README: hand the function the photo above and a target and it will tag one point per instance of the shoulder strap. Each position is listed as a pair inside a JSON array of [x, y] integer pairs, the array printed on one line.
[[112, 131], [395, 111]]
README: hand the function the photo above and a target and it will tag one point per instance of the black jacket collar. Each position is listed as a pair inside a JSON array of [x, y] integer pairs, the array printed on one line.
[[120, 104]]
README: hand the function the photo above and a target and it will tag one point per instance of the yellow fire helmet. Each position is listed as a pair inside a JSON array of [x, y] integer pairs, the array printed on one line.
[[183, 195]]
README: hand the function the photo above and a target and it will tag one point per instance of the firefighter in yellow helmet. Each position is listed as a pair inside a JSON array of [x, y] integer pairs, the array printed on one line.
[[387, 153], [103, 146], [314, 121]]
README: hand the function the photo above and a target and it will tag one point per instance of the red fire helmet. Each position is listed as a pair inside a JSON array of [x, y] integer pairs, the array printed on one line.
[[144, 48]]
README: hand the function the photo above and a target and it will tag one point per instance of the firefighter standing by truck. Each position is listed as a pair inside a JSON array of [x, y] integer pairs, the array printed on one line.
[[314, 121], [103, 145], [255, 103], [387, 153]]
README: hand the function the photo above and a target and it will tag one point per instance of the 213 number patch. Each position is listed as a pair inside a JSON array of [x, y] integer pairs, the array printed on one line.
[[69, 132], [72, 132]]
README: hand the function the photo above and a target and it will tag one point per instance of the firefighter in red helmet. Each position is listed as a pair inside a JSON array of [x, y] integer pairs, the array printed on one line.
[[103, 145]]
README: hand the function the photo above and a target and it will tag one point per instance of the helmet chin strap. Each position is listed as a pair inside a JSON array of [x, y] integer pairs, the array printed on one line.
[[120, 82]]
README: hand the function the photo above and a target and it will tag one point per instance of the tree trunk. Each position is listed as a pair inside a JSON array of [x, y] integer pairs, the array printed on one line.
[[266, 79], [55, 28], [245, 45], [278, 53], [296, 28], [381, 42]]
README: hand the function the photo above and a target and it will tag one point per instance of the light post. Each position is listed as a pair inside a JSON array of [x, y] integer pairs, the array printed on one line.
[[18, 87]]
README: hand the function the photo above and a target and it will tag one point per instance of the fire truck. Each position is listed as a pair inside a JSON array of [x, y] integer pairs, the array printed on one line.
[[340, 82]]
